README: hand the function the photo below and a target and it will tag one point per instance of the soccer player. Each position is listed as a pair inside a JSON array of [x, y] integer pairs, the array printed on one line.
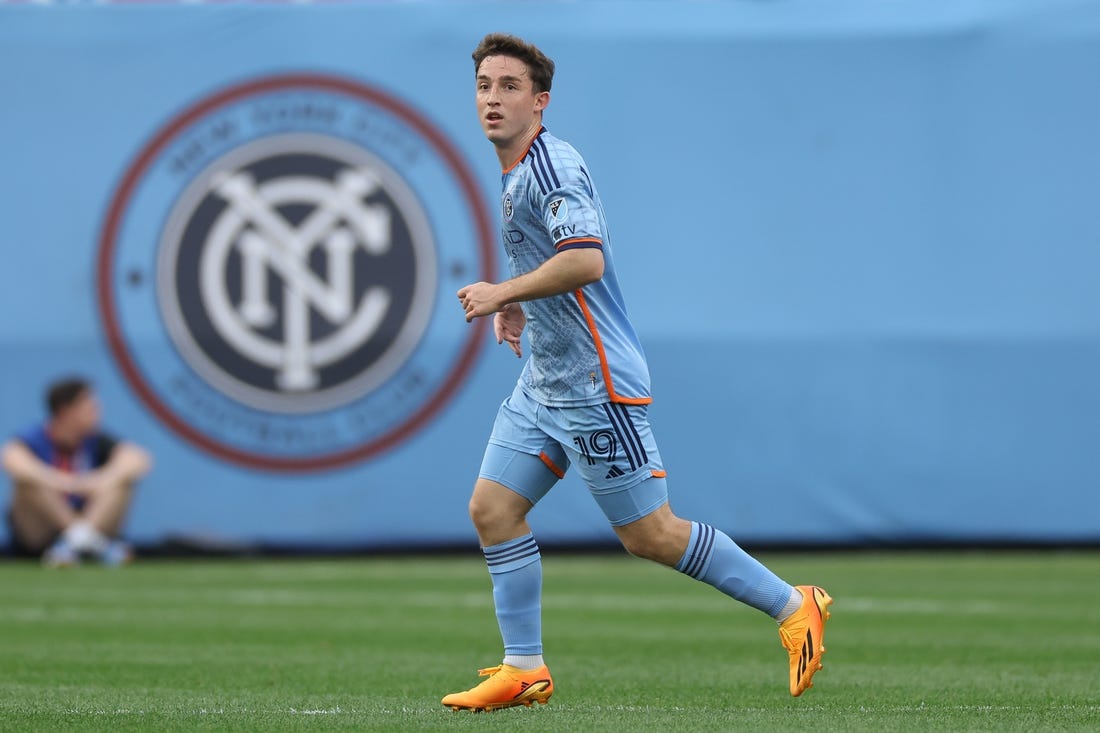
[[71, 482], [581, 399]]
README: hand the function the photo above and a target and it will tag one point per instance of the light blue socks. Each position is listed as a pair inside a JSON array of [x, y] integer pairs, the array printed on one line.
[[515, 567], [712, 557]]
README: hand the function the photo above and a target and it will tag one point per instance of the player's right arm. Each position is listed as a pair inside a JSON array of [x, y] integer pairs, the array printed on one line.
[[126, 463], [25, 467], [566, 271]]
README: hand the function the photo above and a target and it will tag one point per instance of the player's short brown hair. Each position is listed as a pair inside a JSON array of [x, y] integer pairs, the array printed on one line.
[[65, 392], [539, 65]]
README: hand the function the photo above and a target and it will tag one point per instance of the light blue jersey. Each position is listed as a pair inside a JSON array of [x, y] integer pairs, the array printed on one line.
[[584, 351]]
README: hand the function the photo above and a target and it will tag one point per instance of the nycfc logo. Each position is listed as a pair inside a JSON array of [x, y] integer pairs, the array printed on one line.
[[508, 206], [314, 270], [273, 278]]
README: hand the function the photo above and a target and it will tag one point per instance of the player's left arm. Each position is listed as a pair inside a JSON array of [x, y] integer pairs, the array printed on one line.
[[508, 325], [126, 463]]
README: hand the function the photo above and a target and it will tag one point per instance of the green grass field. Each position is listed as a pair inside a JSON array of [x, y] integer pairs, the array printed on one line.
[[934, 641]]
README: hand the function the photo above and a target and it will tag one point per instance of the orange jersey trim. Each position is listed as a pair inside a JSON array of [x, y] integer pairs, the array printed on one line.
[[575, 240], [551, 465], [604, 367], [525, 151], [659, 474]]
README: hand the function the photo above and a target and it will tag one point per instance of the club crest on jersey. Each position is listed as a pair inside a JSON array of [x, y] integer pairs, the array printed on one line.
[[508, 210], [280, 321], [557, 208]]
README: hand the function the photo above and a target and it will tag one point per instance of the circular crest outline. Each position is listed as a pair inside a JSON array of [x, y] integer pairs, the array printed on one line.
[[469, 191]]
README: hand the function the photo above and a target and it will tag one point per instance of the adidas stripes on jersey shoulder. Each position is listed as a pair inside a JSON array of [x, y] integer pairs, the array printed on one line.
[[584, 350]]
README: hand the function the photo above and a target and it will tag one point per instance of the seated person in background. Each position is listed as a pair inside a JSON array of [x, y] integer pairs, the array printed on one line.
[[71, 483]]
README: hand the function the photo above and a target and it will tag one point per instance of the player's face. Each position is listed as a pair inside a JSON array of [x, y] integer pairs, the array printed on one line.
[[84, 413], [508, 106]]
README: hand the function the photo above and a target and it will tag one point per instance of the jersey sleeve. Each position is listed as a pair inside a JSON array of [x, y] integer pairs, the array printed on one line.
[[569, 210], [103, 445], [36, 442]]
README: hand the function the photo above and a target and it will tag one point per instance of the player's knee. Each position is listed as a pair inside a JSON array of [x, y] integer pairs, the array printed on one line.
[[25, 489], [486, 515], [126, 488], [649, 546], [657, 538], [496, 509]]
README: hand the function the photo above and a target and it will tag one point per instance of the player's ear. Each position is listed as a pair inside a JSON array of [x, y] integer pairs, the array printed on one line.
[[542, 101]]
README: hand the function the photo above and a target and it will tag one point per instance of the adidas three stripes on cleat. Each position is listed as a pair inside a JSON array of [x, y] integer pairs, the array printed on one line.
[[506, 687], [803, 635]]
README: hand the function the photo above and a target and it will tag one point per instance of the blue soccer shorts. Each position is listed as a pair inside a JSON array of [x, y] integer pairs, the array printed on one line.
[[611, 444]]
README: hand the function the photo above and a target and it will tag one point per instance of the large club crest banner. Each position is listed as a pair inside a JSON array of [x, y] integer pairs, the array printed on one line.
[[301, 223]]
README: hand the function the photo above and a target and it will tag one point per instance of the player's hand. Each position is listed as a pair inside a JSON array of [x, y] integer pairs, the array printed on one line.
[[479, 299], [66, 483], [89, 483], [508, 325]]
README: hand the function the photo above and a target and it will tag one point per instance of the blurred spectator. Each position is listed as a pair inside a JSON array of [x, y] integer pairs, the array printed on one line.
[[71, 482]]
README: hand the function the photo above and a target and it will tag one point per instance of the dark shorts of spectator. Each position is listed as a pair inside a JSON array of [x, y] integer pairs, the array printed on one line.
[[16, 546]]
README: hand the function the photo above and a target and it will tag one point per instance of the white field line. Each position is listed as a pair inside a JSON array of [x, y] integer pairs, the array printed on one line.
[[693, 602], [925, 606], [431, 711]]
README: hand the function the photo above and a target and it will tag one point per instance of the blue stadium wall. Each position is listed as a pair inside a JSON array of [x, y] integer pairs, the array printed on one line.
[[861, 243]]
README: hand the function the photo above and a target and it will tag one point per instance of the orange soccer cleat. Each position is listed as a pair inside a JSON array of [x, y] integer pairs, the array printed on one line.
[[803, 635], [506, 687]]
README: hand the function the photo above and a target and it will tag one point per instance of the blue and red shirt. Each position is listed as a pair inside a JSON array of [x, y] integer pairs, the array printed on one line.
[[91, 453]]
